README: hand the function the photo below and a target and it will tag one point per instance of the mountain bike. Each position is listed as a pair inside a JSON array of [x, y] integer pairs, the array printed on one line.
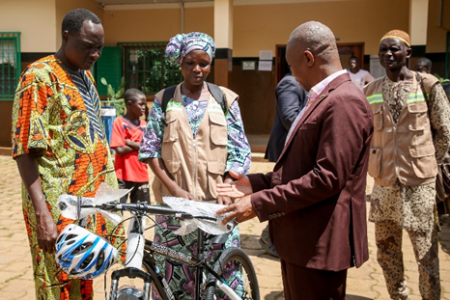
[[210, 278]]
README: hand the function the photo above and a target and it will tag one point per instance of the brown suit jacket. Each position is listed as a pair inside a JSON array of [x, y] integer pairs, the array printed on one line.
[[315, 197]]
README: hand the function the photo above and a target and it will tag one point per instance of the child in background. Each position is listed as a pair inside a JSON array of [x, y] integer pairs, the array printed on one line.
[[126, 138]]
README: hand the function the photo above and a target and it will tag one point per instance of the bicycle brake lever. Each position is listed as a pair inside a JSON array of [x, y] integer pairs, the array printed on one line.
[[184, 216], [230, 223], [111, 206]]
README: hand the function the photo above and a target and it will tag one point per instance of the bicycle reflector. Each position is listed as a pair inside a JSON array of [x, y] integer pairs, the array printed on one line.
[[83, 254]]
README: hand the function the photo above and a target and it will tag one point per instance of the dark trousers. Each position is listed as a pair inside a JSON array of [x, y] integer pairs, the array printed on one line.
[[311, 284], [140, 191]]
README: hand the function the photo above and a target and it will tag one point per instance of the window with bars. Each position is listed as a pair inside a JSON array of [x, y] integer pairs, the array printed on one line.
[[146, 68], [9, 64]]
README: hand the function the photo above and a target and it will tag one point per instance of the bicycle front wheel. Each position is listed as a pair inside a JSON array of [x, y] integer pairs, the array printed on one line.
[[235, 267], [157, 291]]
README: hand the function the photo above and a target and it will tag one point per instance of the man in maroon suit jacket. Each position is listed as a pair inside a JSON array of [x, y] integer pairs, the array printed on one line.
[[315, 197]]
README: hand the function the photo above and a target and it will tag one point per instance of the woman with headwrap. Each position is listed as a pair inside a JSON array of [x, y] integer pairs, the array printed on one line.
[[190, 148], [411, 136]]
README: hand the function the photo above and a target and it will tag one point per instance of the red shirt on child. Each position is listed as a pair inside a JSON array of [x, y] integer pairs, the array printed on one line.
[[128, 167]]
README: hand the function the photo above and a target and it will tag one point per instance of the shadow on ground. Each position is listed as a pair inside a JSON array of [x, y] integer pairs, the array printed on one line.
[[250, 243], [275, 295]]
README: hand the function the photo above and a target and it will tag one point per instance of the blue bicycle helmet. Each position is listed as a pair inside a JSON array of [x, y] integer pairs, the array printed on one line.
[[83, 254]]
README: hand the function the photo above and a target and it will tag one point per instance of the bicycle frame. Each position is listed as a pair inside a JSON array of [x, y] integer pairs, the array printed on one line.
[[196, 262]]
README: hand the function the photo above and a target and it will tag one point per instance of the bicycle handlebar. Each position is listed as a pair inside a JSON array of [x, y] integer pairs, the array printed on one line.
[[145, 207]]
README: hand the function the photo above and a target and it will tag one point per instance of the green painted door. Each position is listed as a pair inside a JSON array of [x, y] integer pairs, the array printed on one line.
[[109, 66]]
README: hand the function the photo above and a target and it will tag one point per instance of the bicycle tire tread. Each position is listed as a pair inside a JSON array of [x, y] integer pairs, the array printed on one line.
[[229, 254]]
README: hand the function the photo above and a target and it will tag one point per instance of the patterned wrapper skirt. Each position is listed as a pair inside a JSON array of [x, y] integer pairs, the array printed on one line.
[[180, 277]]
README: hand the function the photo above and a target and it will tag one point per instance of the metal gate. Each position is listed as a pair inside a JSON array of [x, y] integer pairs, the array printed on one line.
[[9, 63], [146, 68]]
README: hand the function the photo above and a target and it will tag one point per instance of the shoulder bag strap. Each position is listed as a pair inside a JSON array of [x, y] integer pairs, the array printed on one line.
[[217, 93], [167, 96]]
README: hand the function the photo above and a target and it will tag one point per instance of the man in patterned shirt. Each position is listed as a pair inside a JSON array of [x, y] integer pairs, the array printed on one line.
[[411, 122], [60, 148]]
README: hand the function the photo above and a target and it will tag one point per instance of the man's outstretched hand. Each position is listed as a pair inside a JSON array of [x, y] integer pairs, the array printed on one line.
[[236, 189], [240, 211]]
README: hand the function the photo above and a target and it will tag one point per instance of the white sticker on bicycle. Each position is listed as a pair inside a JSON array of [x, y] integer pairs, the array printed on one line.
[[198, 208]]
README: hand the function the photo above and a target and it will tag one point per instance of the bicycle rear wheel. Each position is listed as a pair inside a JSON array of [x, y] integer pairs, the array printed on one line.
[[234, 263], [157, 291]]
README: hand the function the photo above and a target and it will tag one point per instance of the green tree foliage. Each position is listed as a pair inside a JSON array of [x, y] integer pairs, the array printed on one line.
[[156, 71], [441, 79]]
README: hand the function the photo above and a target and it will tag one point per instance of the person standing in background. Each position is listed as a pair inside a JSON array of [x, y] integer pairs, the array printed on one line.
[[290, 100], [412, 135], [424, 65], [359, 76], [125, 140]]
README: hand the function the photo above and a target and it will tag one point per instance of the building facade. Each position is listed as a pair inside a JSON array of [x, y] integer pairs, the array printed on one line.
[[249, 34]]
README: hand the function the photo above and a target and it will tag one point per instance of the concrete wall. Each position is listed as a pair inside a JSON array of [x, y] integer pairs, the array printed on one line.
[[36, 22], [418, 20], [256, 27], [261, 27], [34, 19], [140, 25], [154, 25], [62, 7]]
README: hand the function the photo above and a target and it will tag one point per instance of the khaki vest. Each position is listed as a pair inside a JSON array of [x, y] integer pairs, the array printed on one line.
[[196, 165], [405, 150]]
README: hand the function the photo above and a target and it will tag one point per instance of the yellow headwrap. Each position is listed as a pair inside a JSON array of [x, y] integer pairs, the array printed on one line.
[[399, 35]]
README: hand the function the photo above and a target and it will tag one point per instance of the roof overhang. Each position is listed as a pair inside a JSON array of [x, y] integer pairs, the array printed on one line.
[[155, 4]]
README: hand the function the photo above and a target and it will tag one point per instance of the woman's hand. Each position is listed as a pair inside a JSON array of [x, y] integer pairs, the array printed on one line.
[[180, 193], [235, 189], [159, 169], [224, 200]]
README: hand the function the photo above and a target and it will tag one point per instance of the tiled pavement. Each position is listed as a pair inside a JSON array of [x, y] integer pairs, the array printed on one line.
[[364, 283]]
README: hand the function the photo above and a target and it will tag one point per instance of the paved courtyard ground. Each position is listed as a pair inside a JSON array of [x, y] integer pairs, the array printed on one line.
[[367, 282]]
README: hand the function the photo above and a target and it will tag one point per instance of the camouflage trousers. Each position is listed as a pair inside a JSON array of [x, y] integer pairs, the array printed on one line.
[[390, 257]]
